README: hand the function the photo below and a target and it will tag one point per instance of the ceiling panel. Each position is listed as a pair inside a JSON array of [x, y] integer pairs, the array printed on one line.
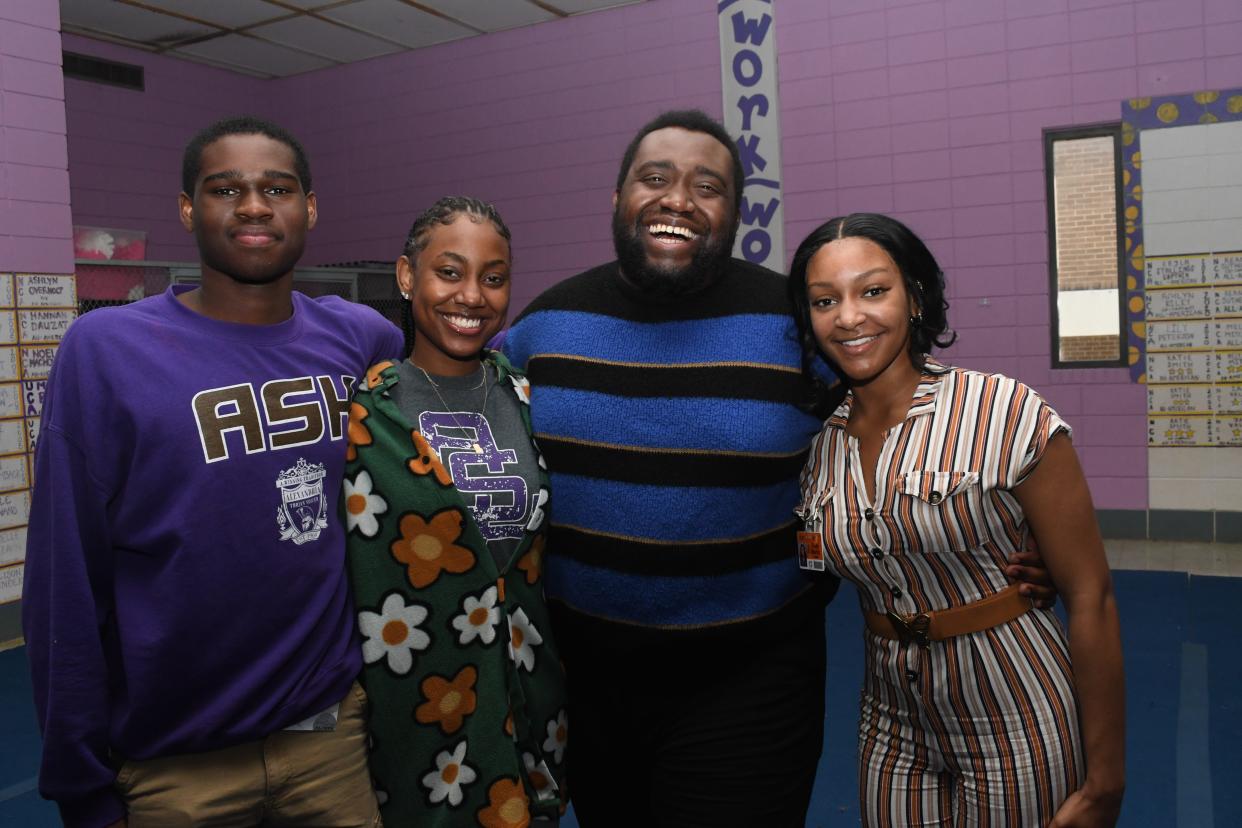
[[256, 55], [323, 38], [397, 21], [315, 33], [231, 14], [130, 22], [490, 15]]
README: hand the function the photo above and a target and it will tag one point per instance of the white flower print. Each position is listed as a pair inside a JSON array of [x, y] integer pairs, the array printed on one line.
[[450, 774], [558, 736], [393, 632], [522, 386], [522, 638], [361, 506], [478, 619], [540, 777], [537, 512]]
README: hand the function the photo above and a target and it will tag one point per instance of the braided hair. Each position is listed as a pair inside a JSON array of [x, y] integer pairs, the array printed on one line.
[[444, 211]]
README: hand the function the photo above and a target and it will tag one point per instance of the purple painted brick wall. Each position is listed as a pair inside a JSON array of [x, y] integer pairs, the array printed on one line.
[[125, 146], [35, 220], [932, 111]]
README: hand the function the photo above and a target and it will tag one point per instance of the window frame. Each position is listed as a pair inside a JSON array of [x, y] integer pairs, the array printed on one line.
[[1051, 136]]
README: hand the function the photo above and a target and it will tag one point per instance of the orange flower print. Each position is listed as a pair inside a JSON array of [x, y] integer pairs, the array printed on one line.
[[448, 702], [426, 462], [359, 434], [373, 373], [532, 562], [428, 548], [507, 805]]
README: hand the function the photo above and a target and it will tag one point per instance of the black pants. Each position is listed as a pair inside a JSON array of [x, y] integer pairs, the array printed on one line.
[[694, 733]]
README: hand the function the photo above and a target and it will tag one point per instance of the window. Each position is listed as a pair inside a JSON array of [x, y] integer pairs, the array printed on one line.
[[1083, 169]]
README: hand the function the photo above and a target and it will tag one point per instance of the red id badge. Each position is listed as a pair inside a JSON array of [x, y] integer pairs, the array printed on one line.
[[810, 551]]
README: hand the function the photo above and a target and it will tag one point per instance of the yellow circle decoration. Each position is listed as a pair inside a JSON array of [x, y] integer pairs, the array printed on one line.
[[1167, 112], [1137, 192], [1142, 379], [1137, 160], [1131, 283], [1127, 134], [1136, 304], [1206, 97], [1136, 258], [1208, 118], [1140, 329], [1134, 355], [1140, 103], [1125, 178], [1131, 212], [1234, 104], [1129, 241]]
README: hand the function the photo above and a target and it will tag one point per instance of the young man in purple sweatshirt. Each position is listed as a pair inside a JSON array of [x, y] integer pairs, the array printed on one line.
[[186, 609]]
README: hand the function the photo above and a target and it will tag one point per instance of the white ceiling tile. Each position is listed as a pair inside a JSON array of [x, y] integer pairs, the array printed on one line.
[[129, 22], [397, 21], [581, 6], [231, 14], [490, 15], [324, 38], [257, 55]]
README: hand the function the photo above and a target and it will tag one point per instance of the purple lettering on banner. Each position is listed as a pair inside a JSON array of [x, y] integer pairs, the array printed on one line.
[[759, 214], [756, 245], [748, 104], [747, 58], [746, 30], [748, 145], [498, 501], [748, 72]]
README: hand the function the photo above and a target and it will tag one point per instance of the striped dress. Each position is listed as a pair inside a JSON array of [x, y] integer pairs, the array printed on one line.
[[980, 729]]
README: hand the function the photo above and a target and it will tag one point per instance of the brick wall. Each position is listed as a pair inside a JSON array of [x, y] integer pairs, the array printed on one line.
[[1089, 348], [1086, 209]]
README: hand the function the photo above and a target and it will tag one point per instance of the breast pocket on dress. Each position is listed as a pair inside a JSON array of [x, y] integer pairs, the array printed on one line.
[[946, 508]]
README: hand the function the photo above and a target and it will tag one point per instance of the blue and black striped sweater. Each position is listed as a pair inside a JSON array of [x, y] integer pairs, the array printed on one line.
[[674, 440]]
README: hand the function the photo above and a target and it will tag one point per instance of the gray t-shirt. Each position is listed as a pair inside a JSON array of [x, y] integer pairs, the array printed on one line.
[[486, 450]]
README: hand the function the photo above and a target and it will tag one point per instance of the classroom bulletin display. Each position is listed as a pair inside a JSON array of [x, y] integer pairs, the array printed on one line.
[[35, 311]]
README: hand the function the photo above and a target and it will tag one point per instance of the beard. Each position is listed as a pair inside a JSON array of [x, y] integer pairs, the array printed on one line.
[[707, 264]]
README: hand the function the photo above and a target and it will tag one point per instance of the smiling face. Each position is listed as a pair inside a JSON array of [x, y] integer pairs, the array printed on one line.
[[459, 294], [248, 212], [674, 221], [860, 311]]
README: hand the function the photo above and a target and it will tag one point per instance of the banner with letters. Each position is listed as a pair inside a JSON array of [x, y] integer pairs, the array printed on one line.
[[752, 116]]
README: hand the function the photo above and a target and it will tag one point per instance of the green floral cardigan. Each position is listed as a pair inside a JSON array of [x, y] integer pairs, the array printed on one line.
[[466, 690]]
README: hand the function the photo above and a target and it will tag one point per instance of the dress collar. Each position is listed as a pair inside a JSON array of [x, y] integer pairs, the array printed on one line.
[[923, 401]]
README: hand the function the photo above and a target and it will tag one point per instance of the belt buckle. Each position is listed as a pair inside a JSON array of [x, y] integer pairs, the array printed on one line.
[[912, 628]]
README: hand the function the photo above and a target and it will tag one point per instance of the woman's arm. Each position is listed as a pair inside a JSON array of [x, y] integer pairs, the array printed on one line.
[[1058, 507]]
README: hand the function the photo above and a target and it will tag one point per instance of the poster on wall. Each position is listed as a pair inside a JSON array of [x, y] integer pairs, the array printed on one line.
[[35, 311]]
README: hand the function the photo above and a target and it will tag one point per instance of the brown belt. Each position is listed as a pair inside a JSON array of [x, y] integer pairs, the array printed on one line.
[[924, 627]]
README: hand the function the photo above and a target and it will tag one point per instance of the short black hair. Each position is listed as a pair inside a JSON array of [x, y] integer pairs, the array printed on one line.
[[919, 270], [192, 161], [693, 120]]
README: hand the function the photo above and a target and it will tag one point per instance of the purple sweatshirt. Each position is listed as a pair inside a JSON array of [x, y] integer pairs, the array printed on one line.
[[185, 586]]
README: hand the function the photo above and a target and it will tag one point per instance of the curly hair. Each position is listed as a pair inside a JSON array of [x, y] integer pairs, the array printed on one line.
[[691, 120], [921, 273], [444, 211], [192, 159]]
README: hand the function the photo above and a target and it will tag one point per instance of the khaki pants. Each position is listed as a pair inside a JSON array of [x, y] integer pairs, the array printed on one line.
[[295, 778]]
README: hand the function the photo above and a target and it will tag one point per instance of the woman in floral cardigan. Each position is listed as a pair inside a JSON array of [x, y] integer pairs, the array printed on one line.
[[445, 500]]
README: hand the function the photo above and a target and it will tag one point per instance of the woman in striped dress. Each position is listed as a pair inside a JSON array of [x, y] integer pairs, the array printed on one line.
[[976, 709]]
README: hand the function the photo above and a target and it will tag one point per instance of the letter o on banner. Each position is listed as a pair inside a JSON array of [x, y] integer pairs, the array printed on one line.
[[756, 245], [747, 67]]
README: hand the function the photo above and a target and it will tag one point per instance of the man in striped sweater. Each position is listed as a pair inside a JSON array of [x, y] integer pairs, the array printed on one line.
[[665, 401]]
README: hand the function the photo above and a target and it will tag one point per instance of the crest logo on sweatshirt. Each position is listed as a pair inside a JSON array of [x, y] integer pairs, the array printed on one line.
[[303, 510]]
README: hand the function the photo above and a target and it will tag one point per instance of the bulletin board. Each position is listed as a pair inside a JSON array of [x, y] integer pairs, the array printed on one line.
[[35, 311], [1182, 173]]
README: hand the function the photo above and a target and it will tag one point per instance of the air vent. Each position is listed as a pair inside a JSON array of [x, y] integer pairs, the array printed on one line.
[[87, 67]]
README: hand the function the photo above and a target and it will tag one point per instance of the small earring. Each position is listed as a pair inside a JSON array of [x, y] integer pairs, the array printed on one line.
[[405, 296], [916, 320]]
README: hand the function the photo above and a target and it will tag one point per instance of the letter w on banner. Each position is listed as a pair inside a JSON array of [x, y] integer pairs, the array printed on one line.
[[752, 116]]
